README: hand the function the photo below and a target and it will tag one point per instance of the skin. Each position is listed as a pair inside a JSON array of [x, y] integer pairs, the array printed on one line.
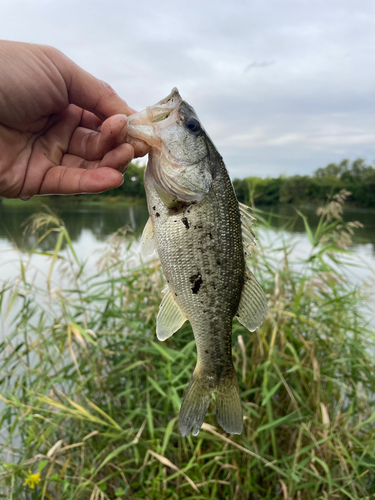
[[62, 131]]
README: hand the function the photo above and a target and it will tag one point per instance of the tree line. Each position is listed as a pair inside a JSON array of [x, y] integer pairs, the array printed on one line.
[[355, 176]]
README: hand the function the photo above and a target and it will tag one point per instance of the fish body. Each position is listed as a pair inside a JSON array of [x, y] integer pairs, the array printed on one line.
[[196, 226]]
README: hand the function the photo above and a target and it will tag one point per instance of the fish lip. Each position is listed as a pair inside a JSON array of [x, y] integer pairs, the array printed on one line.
[[141, 125], [158, 111]]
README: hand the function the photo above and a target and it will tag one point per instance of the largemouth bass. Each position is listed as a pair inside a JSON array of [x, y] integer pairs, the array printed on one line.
[[201, 234]]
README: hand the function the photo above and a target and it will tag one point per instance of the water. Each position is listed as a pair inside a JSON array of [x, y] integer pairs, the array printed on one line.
[[90, 227]]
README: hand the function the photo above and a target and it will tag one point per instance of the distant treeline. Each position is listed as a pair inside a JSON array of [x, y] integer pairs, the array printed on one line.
[[356, 177]]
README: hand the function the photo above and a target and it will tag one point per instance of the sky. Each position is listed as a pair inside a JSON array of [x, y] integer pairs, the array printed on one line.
[[282, 87]]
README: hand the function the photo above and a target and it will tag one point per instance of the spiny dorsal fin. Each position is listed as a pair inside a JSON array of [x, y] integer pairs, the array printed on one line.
[[247, 220], [148, 246], [170, 317], [253, 304]]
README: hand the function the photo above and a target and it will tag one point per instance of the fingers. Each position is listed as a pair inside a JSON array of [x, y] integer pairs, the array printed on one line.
[[85, 90], [140, 147], [91, 121], [93, 145], [65, 180], [117, 158]]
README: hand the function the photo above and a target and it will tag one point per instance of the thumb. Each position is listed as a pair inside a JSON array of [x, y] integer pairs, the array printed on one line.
[[86, 91]]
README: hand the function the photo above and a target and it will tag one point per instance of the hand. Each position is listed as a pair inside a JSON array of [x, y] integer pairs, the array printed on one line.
[[62, 131]]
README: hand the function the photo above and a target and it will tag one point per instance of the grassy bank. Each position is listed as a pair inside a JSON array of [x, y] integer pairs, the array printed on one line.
[[90, 398]]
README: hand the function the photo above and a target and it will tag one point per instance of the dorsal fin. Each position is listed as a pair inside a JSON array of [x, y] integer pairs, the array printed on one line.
[[253, 304], [247, 220]]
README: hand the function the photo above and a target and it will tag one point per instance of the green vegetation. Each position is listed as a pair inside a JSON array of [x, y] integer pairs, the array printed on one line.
[[356, 177], [90, 398]]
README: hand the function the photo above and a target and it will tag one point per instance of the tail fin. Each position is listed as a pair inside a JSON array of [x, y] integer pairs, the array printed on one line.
[[198, 397], [228, 406], [194, 406]]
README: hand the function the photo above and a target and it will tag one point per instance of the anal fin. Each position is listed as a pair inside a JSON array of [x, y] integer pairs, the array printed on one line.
[[170, 317]]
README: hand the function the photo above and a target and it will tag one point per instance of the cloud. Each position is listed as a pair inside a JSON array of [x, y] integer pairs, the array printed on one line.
[[256, 64], [314, 102]]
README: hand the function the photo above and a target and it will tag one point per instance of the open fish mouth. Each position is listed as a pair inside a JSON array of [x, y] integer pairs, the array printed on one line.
[[141, 125]]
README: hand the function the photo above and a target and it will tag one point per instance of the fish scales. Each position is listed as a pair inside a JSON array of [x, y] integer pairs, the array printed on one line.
[[199, 231], [203, 262]]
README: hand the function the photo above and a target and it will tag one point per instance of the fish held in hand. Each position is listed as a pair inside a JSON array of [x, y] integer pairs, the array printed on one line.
[[201, 234]]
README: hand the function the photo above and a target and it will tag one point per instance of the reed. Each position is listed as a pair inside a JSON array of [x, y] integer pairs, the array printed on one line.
[[90, 399]]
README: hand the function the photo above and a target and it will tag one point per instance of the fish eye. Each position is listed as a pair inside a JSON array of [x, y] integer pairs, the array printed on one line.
[[193, 125]]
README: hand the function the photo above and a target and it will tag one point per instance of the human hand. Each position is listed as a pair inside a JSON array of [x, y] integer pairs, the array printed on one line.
[[62, 131]]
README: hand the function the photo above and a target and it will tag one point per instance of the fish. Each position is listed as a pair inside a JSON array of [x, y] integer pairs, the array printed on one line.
[[202, 235]]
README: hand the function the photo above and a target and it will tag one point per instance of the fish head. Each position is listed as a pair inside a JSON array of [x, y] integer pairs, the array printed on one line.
[[180, 149]]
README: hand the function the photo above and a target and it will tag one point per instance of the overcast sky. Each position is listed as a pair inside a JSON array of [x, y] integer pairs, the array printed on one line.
[[281, 86]]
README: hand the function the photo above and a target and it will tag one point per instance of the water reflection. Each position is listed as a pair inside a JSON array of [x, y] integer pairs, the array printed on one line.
[[101, 222], [279, 216]]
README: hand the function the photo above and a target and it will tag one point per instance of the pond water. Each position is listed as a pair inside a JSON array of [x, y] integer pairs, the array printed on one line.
[[90, 227]]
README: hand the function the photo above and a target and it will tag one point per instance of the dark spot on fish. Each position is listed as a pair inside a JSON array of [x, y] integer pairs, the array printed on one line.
[[205, 310], [153, 208], [196, 280], [167, 281], [218, 262], [195, 227], [214, 286], [175, 294], [185, 222], [199, 226], [206, 351], [157, 214], [210, 235], [175, 209], [237, 315]]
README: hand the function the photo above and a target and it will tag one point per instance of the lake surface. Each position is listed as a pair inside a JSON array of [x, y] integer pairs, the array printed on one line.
[[91, 226]]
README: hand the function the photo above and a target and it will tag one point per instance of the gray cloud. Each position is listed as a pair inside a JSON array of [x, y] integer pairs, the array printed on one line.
[[282, 86], [260, 64]]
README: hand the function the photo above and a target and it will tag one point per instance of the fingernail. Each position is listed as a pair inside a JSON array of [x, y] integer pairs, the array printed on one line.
[[123, 169]]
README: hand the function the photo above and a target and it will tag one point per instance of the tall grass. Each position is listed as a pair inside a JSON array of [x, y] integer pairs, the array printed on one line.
[[90, 398]]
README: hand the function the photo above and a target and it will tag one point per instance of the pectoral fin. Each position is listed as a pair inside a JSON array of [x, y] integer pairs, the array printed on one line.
[[170, 317], [247, 220], [148, 246], [253, 304], [168, 199]]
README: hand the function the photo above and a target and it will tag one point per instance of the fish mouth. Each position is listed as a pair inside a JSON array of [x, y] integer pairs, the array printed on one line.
[[144, 125]]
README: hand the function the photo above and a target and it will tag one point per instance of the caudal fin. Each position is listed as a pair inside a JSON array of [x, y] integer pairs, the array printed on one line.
[[194, 405], [197, 398], [228, 406]]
